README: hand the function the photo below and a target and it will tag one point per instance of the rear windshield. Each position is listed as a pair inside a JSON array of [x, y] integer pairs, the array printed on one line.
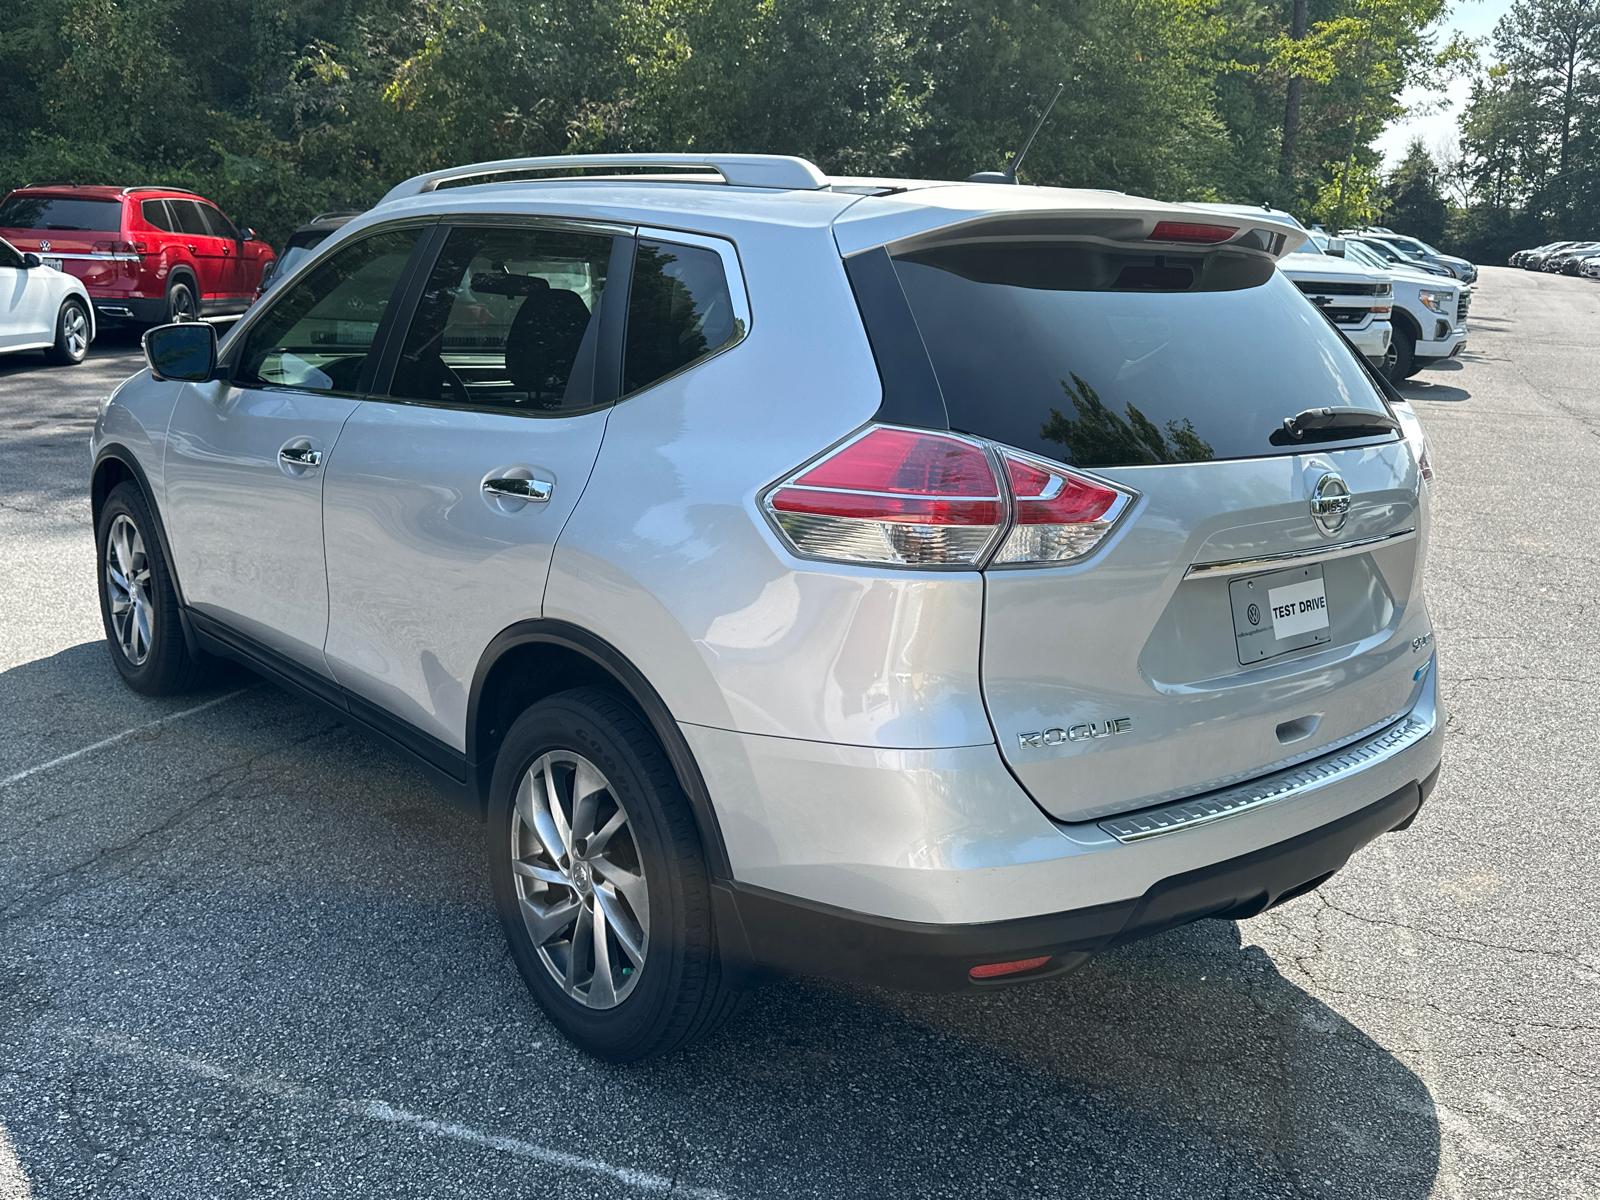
[[1028, 355], [51, 212]]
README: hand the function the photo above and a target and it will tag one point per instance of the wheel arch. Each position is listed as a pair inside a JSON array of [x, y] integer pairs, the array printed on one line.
[[538, 658], [114, 464], [1403, 318], [184, 271]]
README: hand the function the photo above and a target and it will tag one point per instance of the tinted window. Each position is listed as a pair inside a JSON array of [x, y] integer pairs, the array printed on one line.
[[509, 318], [188, 216], [679, 309], [1026, 355], [316, 333], [305, 239], [9, 256], [217, 224], [155, 213], [50, 212]]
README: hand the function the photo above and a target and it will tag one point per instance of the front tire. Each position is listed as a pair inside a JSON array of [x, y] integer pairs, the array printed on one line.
[[138, 604], [600, 880], [1405, 363], [72, 335]]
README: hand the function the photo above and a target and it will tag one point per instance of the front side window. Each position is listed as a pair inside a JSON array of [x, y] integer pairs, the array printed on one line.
[[218, 224], [316, 335], [9, 256], [509, 319], [679, 311]]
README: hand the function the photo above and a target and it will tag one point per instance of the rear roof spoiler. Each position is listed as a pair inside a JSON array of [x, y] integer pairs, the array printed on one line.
[[776, 171]]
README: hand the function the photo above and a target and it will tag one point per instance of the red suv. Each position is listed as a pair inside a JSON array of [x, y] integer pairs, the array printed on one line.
[[146, 254]]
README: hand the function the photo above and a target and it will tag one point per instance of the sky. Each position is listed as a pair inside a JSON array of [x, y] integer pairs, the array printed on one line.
[[1437, 128]]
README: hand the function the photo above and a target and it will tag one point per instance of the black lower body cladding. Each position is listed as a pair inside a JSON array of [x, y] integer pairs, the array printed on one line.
[[785, 934]]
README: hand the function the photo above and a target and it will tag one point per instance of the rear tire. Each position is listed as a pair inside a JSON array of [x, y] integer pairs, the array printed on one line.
[[138, 604], [1405, 363], [572, 896], [72, 335], [182, 304]]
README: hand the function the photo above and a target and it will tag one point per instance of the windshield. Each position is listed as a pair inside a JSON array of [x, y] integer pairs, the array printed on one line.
[[1356, 252], [52, 212], [1032, 357]]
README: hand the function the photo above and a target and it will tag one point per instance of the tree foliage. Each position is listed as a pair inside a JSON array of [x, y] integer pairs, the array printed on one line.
[[277, 108]]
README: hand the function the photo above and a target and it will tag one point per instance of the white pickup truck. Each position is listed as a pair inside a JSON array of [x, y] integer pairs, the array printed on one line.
[[1429, 319]]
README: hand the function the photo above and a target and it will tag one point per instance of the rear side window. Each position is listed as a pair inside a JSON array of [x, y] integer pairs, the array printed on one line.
[[509, 319], [155, 213], [679, 311], [316, 334], [1086, 358], [189, 217], [51, 212]]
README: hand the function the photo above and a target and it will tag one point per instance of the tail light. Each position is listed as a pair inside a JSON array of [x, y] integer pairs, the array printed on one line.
[[109, 248], [915, 498], [1191, 231], [1416, 437]]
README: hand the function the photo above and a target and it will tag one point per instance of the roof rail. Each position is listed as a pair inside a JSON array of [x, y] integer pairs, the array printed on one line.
[[737, 170], [158, 187]]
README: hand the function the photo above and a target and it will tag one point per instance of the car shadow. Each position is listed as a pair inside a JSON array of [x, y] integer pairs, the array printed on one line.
[[307, 909]]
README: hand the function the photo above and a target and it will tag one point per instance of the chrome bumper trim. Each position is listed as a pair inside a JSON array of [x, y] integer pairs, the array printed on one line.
[[1186, 814], [1312, 554]]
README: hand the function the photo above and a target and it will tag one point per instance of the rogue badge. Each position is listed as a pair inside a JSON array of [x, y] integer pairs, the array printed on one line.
[[1076, 733]]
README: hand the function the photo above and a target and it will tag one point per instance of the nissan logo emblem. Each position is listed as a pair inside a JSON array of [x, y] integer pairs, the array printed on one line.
[[1330, 504]]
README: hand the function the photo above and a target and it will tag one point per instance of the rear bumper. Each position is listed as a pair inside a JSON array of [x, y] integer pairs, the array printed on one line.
[[908, 868], [783, 933], [130, 308]]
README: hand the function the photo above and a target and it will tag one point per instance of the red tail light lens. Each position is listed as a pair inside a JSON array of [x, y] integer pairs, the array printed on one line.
[[894, 496], [116, 248], [1189, 231], [1060, 515], [919, 498], [998, 970]]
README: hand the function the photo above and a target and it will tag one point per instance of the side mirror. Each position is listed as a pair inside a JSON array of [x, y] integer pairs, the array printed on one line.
[[1336, 247], [186, 352], [247, 235], [30, 261]]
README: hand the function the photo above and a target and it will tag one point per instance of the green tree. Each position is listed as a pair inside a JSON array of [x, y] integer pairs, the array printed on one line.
[[1414, 202]]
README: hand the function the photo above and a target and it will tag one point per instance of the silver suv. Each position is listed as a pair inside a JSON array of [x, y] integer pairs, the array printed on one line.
[[916, 583]]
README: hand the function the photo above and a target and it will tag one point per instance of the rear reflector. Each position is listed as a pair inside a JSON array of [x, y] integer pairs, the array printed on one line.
[[1188, 231], [918, 498], [993, 970]]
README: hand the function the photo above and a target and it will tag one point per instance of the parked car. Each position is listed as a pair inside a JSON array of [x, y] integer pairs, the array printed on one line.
[[923, 584], [42, 309], [145, 254], [1565, 261], [1419, 251], [301, 243], [1590, 268], [1394, 256], [1357, 299], [1430, 313], [1534, 259]]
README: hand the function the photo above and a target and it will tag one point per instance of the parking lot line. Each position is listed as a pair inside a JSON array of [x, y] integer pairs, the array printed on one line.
[[651, 1182], [118, 737]]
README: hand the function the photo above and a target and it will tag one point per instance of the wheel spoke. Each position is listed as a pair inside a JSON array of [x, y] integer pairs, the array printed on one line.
[[588, 785], [534, 810], [544, 923], [116, 577], [602, 988], [597, 843], [631, 943], [530, 870], [633, 890], [581, 936], [141, 626], [553, 806]]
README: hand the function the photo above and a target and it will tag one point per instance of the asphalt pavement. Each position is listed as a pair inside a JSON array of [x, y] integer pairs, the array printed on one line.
[[243, 952]]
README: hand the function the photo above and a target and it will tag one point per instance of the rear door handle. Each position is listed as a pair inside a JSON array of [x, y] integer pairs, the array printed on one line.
[[300, 456], [536, 490]]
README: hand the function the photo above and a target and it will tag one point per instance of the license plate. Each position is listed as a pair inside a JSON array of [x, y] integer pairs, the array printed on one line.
[[53, 263], [1274, 614]]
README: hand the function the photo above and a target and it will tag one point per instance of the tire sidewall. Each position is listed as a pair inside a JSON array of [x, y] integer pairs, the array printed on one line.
[[149, 676], [1405, 356], [182, 284], [567, 722]]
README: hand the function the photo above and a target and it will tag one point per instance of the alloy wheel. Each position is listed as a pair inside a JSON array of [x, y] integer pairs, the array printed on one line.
[[580, 881], [75, 331], [128, 589]]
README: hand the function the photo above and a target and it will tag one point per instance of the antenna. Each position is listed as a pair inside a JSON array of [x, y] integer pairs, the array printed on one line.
[[1009, 175]]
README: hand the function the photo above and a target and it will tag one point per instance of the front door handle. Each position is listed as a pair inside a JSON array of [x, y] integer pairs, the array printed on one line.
[[300, 456], [536, 490]]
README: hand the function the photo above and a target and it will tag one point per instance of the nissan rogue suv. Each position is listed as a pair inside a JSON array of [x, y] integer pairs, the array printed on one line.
[[146, 254], [915, 583]]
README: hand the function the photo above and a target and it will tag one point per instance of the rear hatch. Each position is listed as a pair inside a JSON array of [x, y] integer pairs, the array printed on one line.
[[1219, 632], [75, 234]]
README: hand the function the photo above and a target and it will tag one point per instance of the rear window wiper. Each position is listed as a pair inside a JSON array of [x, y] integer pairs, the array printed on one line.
[[1328, 424]]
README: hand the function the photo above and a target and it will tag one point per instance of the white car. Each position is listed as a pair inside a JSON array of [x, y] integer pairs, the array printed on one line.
[[42, 309]]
